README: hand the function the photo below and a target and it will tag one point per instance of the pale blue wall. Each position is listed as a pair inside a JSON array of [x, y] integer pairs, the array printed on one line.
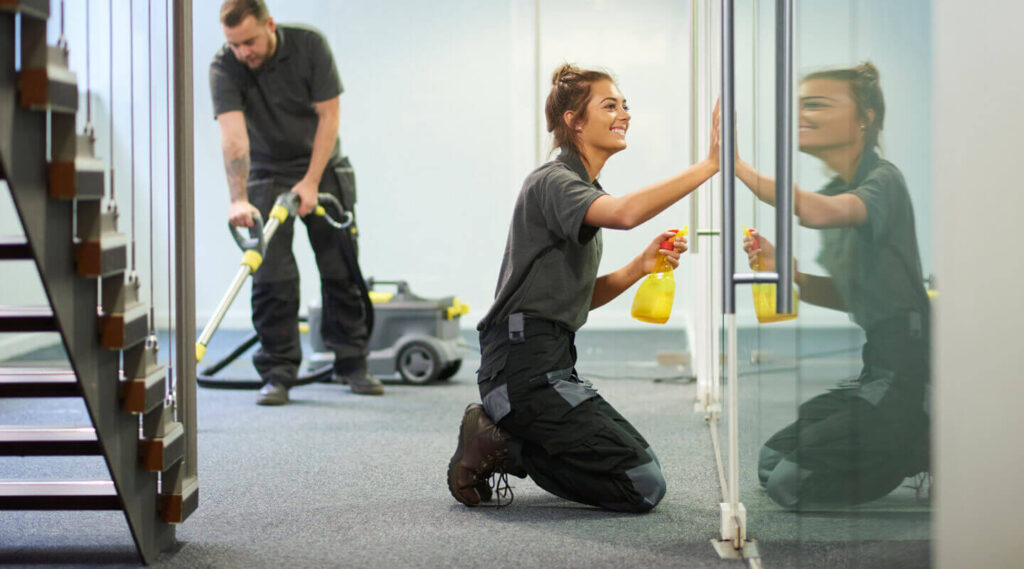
[[438, 117]]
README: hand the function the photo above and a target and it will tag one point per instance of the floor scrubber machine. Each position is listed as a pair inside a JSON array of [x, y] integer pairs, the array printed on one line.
[[412, 338]]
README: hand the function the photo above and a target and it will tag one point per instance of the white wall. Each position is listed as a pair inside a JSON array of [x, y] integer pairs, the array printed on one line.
[[978, 358], [439, 114], [438, 118]]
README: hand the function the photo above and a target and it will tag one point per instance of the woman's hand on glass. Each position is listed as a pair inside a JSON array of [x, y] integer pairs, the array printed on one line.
[[714, 148]]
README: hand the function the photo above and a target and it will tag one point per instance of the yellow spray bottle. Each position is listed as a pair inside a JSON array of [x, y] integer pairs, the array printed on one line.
[[653, 300], [764, 294]]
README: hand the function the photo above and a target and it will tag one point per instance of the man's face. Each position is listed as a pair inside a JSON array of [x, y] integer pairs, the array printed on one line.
[[251, 41]]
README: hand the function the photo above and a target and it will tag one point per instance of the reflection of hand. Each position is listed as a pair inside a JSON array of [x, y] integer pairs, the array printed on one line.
[[760, 251], [240, 213], [307, 191], [649, 256]]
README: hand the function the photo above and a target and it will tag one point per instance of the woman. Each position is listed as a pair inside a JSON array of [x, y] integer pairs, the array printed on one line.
[[857, 442], [550, 424]]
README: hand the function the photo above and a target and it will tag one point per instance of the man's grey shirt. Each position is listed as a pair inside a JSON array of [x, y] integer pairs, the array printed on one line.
[[278, 98], [551, 257]]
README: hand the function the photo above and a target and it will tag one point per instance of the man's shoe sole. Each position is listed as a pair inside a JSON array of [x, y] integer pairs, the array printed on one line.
[[372, 390]]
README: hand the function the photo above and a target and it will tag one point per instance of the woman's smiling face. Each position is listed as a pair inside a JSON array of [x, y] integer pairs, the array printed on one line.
[[607, 119], [828, 116]]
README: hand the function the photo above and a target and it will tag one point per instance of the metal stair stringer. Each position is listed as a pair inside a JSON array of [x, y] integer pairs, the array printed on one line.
[[48, 227]]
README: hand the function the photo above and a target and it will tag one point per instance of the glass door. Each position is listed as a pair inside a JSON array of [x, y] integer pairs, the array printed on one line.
[[831, 413]]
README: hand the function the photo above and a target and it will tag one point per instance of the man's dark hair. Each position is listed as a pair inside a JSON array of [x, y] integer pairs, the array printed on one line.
[[232, 12]]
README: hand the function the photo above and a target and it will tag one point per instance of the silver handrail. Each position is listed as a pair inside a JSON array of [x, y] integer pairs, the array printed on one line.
[[783, 163], [784, 155]]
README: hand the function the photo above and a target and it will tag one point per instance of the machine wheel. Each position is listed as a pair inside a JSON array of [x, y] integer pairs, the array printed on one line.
[[450, 370], [419, 363]]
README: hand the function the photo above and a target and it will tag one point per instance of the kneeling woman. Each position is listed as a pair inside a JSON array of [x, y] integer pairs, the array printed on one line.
[[550, 424]]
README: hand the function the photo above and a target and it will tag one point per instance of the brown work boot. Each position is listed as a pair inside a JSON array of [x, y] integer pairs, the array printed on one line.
[[482, 448]]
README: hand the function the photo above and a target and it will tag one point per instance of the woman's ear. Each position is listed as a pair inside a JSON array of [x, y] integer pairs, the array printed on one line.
[[870, 116], [570, 120]]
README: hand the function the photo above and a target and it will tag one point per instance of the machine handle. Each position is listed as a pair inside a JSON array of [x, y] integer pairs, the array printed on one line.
[[255, 238], [401, 286], [346, 216]]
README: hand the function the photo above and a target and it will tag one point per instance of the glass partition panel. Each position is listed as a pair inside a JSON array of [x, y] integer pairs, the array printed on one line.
[[834, 433]]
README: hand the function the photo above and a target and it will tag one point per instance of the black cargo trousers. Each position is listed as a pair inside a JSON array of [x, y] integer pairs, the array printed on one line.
[[275, 286], [858, 442], [566, 437]]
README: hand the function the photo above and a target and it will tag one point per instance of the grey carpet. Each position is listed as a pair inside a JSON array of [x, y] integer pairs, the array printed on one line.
[[341, 480]]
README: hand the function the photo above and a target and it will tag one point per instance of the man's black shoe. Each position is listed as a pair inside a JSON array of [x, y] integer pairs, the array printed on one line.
[[360, 381], [273, 394]]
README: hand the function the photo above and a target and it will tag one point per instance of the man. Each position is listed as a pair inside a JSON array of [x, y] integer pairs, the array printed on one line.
[[275, 95]]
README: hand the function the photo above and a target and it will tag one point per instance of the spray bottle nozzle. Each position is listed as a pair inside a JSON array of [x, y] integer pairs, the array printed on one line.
[[668, 243]]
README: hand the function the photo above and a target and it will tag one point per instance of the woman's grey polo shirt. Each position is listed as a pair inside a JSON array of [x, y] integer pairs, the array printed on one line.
[[277, 99], [876, 266], [551, 257]]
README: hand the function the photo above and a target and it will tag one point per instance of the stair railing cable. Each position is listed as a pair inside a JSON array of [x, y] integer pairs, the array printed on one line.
[[171, 385], [131, 128], [110, 135], [88, 70], [149, 133]]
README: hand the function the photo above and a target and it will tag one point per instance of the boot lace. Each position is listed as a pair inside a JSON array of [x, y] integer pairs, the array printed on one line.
[[501, 490]]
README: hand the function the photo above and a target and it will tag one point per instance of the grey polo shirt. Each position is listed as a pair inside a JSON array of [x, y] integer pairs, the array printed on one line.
[[876, 266], [277, 99], [551, 257]]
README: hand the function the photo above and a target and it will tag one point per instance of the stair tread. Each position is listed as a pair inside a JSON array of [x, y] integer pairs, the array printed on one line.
[[36, 374], [6, 310], [22, 440], [27, 319], [59, 495], [57, 488], [4, 239], [37, 382], [41, 434]]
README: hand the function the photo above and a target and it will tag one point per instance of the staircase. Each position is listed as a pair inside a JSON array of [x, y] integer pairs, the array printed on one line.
[[133, 425]]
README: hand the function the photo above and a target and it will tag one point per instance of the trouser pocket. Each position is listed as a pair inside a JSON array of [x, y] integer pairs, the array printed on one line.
[[346, 183]]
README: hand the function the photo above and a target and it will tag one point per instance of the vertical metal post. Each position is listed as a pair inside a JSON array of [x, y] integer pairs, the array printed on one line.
[[694, 130], [784, 155], [538, 125], [728, 167], [184, 233], [728, 161]]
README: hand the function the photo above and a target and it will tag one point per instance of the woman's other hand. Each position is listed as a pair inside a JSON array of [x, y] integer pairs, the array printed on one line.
[[760, 251], [650, 254]]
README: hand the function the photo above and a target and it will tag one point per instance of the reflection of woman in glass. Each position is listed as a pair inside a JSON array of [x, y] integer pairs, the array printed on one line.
[[856, 442], [551, 425]]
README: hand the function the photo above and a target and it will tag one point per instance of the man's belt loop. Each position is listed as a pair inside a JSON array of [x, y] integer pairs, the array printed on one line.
[[516, 331]]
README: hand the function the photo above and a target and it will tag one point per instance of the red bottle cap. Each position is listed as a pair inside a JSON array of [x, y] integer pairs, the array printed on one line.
[[667, 244]]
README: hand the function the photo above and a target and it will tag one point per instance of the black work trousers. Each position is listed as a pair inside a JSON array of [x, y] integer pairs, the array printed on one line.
[[275, 286], [565, 436], [857, 443]]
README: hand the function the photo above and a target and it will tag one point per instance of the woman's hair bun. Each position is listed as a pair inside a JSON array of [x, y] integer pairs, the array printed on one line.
[[564, 72], [868, 72]]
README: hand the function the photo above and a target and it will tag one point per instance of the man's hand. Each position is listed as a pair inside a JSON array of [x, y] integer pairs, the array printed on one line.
[[240, 213], [308, 191]]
